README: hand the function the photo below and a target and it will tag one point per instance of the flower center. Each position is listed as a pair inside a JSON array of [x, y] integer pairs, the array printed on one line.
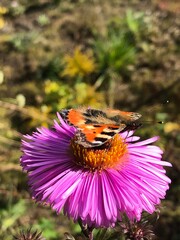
[[112, 154]]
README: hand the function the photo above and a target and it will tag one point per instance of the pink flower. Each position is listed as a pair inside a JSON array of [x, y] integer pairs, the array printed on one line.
[[95, 185]]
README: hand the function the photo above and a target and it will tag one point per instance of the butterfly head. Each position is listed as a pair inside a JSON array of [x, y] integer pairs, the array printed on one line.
[[133, 125]]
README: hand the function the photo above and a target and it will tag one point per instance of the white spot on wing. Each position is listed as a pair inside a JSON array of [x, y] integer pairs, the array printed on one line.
[[103, 136]]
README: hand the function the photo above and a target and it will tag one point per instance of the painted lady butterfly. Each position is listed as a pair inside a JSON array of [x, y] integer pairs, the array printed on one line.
[[95, 127]]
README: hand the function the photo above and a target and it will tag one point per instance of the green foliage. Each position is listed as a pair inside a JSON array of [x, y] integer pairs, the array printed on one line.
[[10, 216], [115, 52], [22, 41], [43, 20], [48, 228], [137, 23], [16, 9], [161, 117], [52, 69]]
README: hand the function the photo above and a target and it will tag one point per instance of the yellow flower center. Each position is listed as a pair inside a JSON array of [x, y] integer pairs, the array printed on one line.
[[112, 154]]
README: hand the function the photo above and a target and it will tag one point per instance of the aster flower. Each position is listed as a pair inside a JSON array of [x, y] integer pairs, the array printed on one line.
[[94, 185]]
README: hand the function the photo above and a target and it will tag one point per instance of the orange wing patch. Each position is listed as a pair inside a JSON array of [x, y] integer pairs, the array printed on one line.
[[75, 118]]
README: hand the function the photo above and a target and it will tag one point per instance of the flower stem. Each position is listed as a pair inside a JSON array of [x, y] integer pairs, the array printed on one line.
[[91, 235], [86, 230]]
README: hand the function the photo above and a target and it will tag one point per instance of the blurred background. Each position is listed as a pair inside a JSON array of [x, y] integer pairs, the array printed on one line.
[[99, 53]]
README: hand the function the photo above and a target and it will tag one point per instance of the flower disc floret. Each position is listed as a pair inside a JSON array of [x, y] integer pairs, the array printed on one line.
[[110, 155]]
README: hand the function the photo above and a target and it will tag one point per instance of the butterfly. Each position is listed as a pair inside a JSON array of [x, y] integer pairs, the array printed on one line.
[[95, 127]]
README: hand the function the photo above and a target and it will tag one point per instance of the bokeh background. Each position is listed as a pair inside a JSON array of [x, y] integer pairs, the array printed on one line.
[[99, 53]]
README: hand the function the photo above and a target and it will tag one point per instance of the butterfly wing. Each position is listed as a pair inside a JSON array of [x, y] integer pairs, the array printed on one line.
[[95, 127], [122, 116], [130, 116], [96, 135]]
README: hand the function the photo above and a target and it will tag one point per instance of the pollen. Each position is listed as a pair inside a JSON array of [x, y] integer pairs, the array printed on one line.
[[112, 154]]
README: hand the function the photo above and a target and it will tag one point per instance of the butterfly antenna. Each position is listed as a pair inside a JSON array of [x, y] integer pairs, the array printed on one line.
[[152, 122]]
